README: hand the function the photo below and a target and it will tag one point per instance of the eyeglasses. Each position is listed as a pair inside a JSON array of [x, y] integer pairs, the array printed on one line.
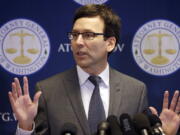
[[85, 35]]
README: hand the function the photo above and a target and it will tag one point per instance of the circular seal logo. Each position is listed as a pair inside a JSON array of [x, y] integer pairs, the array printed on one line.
[[24, 46], [156, 47], [85, 2]]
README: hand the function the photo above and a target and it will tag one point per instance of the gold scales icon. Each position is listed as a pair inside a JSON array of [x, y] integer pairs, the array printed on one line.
[[22, 59], [159, 59]]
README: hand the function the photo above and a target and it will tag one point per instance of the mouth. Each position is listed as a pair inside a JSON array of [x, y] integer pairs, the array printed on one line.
[[81, 54]]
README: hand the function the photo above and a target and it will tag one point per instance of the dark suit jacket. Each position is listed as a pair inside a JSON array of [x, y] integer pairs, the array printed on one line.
[[61, 101]]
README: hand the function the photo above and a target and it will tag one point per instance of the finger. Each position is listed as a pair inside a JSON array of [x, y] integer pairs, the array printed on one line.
[[177, 110], [174, 100], [25, 86], [14, 92], [12, 101], [18, 87], [36, 97], [153, 110], [166, 99]]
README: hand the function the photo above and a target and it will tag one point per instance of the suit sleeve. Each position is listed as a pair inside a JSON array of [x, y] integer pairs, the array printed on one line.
[[143, 103]]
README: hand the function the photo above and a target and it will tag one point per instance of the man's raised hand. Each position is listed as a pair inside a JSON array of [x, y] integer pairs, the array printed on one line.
[[24, 108]]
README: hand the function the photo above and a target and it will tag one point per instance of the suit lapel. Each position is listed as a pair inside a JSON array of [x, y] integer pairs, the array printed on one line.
[[73, 90], [115, 94]]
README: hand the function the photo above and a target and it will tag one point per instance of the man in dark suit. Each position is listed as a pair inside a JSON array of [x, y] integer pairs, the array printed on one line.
[[66, 97]]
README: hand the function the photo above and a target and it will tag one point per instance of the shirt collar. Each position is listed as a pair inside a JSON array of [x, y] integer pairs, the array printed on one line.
[[83, 76]]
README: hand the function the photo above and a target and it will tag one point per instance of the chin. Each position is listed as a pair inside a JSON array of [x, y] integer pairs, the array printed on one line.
[[83, 64]]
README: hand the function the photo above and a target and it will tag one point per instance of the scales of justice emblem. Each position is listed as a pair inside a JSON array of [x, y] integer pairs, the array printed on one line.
[[22, 58], [156, 47], [25, 47]]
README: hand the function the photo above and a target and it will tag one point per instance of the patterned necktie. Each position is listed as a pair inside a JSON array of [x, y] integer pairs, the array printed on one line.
[[96, 109]]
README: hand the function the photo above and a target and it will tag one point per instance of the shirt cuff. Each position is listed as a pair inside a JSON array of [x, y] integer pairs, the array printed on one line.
[[20, 131]]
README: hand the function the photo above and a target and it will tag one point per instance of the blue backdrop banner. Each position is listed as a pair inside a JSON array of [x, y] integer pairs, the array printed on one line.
[[34, 43]]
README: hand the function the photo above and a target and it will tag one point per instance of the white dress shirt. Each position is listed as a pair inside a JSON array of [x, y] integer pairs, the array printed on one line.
[[87, 88]]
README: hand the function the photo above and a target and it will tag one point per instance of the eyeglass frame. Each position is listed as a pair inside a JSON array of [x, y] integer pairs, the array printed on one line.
[[81, 33]]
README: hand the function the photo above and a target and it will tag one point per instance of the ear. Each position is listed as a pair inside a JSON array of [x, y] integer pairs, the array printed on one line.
[[111, 41]]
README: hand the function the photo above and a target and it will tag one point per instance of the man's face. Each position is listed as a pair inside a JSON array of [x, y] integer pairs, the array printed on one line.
[[92, 52]]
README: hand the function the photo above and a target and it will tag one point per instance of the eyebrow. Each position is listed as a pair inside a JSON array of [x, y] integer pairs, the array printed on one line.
[[86, 30]]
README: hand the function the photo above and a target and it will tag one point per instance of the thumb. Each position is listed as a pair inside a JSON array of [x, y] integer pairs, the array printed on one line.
[[153, 110], [36, 97]]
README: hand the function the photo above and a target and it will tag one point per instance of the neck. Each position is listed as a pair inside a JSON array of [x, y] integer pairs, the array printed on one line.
[[95, 70]]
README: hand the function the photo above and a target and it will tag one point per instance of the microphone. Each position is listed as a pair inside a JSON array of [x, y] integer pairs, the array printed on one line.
[[153, 130], [103, 128], [69, 129], [127, 125], [114, 125], [147, 111], [156, 123], [142, 123]]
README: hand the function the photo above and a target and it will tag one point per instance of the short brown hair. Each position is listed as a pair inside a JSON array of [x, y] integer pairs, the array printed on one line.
[[111, 20]]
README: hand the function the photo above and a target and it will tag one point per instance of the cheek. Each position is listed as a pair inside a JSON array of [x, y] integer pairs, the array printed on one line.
[[94, 48], [97, 44], [72, 46], [98, 49], [101, 46]]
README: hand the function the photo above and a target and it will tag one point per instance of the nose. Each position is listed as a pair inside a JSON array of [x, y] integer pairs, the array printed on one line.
[[79, 40]]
